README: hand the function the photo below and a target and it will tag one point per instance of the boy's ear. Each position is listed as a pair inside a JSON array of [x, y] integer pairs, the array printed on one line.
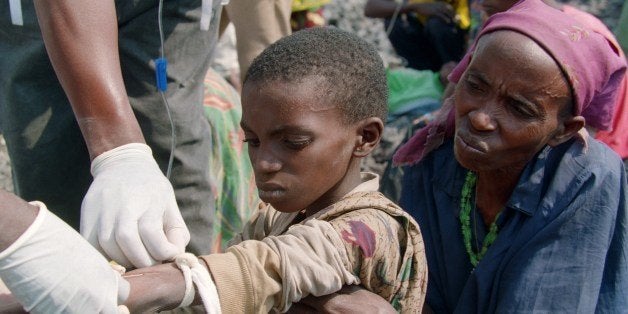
[[570, 127], [369, 133]]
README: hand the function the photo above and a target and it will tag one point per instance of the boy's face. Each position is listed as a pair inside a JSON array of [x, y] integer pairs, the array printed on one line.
[[300, 149]]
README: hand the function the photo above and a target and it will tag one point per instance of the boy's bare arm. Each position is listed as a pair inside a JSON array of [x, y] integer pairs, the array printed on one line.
[[155, 288]]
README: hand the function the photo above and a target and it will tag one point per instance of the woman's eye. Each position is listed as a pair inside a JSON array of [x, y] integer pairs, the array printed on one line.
[[521, 109], [297, 144], [252, 141], [473, 86]]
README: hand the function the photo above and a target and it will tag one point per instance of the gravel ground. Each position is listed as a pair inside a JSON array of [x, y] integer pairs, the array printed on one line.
[[5, 167], [606, 10]]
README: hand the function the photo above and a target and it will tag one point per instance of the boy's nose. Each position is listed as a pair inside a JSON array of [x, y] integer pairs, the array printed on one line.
[[266, 162]]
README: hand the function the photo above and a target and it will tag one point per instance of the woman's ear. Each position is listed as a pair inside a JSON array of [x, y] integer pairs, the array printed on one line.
[[570, 127], [369, 133]]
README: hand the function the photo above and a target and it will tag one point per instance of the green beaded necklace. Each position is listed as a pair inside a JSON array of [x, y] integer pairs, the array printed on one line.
[[465, 211]]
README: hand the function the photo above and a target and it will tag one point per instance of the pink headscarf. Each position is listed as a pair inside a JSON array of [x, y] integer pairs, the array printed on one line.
[[591, 64]]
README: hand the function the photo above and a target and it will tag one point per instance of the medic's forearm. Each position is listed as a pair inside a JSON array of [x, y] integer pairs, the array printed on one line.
[[81, 38], [16, 216]]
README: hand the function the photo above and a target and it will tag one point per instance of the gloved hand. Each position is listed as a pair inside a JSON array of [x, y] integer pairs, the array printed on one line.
[[130, 212], [50, 268]]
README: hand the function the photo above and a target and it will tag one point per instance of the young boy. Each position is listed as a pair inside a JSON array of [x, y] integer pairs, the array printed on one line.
[[313, 105]]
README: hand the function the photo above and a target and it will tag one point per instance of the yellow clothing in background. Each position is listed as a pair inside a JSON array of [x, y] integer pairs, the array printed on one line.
[[461, 7], [301, 5]]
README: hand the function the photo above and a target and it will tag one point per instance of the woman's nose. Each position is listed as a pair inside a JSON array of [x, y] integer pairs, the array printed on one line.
[[481, 120]]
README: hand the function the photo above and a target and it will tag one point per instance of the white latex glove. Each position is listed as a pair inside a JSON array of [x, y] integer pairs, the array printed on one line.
[[50, 268], [130, 213]]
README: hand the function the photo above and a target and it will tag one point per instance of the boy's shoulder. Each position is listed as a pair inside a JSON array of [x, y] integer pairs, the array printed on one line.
[[363, 203]]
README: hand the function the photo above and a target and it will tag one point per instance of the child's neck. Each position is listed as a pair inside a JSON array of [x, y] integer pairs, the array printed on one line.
[[350, 181]]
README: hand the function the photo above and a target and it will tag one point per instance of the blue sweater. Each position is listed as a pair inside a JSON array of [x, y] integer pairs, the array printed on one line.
[[562, 244]]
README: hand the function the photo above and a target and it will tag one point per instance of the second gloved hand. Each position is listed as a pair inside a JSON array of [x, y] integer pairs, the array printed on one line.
[[51, 269], [130, 212]]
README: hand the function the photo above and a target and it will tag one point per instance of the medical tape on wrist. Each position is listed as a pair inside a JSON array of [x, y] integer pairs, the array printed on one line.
[[195, 274]]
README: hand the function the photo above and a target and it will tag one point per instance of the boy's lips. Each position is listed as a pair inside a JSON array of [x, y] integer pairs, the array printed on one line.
[[268, 186], [270, 191]]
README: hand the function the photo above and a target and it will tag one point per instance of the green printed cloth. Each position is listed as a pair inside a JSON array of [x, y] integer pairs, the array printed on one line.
[[231, 172]]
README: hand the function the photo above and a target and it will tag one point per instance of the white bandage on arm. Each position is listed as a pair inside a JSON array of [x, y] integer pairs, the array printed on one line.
[[196, 274], [50, 268]]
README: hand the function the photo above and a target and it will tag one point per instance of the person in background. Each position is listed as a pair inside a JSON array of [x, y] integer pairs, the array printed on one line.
[[258, 24], [87, 130], [427, 34], [225, 58], [307, 14], [520, 208]]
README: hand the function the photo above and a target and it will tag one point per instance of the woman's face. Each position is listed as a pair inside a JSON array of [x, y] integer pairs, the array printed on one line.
[[508, 103], [299, 146]]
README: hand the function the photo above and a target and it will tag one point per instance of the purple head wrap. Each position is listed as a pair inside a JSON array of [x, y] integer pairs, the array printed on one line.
[[592, 66]]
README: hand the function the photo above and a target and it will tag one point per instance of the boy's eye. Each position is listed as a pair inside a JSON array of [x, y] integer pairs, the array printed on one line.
[[252, 142], [297, 144]]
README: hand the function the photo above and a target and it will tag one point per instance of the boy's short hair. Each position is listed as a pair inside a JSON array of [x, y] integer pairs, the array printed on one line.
[[355, 78]]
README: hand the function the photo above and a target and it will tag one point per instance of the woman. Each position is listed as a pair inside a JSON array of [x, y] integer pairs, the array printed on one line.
[[519, 208], [616, 137]]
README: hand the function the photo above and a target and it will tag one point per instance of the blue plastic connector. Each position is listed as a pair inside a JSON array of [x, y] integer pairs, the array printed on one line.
[[161, 65]]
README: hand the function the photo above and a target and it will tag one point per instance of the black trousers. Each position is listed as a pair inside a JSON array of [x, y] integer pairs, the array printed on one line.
[[429, 46]]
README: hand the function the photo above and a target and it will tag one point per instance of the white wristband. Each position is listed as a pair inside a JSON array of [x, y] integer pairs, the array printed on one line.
[[195, 273]]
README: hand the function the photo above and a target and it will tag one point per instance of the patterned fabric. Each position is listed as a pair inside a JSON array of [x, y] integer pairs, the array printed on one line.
[[402, 280], [232, 175], [382, 242]]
